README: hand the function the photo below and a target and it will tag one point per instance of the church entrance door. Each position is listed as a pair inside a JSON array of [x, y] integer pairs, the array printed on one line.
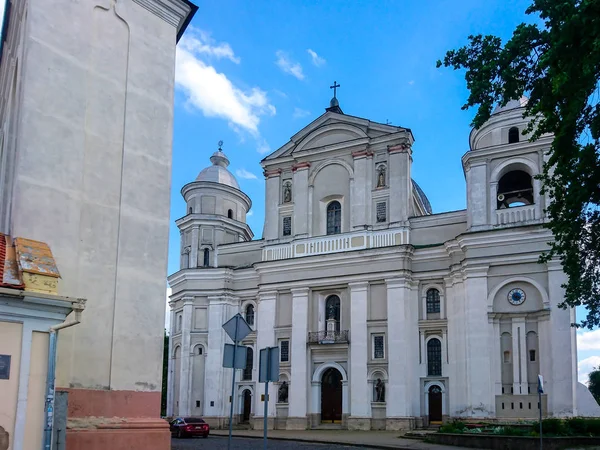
[[435, 404], [247, 405], [331, 396]]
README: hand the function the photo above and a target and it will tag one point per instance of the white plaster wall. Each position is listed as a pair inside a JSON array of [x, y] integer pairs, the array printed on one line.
[[97, 170]]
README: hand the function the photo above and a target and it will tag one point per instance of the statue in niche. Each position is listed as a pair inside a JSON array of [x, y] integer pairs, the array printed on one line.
[[282, 396], [380, 391], [287, 192], [381, 177]]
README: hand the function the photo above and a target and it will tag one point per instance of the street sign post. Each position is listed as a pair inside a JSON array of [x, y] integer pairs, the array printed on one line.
[[240, 356], [540, 392], [268, 370], [237, 329]]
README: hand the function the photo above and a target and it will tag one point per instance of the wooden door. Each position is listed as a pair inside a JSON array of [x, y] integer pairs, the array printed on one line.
[[435, 404], [247, 406], [331, 396]]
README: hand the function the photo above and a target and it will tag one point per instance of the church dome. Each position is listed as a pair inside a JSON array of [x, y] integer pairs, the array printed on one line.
[[512, 104], [218, 173]]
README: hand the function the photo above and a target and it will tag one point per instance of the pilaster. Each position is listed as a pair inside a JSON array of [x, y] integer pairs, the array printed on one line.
[[476, 174], [519, 356], [359, 217], [171, 368], [400, 183], [360, 405], [480, 393], [184, 382], [272, 197], [300, 198], [265, 337], [215, 388], [193, 263], [299, 376]]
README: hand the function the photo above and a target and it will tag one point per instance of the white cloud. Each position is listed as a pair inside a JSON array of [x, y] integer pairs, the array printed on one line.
[[316, 59], [250, 213], [263, 147], [299, 113], [200, 42], [213, 93], [411, 82], [588, 340], [288, 66], [585, 366], [243, 173]]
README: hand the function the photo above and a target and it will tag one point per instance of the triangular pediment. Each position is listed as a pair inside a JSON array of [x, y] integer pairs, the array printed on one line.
[[331, 129]]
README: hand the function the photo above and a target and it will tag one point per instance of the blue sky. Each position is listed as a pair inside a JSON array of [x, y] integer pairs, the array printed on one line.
[[254, 73]]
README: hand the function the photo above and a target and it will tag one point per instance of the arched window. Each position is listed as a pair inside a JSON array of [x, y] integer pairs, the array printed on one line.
[[433, 301], [247, 375], [434, 358], [230, 213], [179, 322], [515, 189], [250, 315], [332, 310], [334, 218], [206, 257], [191, 210], [513, 135]]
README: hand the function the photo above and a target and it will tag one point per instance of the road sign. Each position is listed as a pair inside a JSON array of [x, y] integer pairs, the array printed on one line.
[[240, 356], [268, 365], [237, 328]]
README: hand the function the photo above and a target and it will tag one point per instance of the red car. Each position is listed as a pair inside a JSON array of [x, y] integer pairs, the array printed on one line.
[[188, 427]]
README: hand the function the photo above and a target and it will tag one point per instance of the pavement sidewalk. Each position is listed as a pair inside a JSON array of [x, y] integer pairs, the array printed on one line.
[[371, 439]]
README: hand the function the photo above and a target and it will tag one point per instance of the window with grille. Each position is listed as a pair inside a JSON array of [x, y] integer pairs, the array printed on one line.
[[247, 374], [334, 218], [434, 358], [284, 351], [287, 226], [378, 347], [381, 212], [433, 301]]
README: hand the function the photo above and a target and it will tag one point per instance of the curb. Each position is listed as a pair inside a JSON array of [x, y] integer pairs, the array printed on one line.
[[319, 441]]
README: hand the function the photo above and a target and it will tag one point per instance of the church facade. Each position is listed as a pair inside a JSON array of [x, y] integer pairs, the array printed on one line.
[[387, 316]]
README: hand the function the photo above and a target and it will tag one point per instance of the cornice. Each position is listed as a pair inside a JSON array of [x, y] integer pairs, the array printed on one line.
[[177, 13]]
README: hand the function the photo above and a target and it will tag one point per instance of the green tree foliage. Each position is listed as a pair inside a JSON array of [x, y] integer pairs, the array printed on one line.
[[556, 63], [165, 376], [594, 383]]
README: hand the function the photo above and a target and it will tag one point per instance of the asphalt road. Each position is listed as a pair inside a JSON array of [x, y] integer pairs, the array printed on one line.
[[220, 443]]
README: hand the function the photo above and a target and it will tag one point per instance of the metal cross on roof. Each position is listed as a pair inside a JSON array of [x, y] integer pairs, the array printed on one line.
[[220, 144], [334, 87]]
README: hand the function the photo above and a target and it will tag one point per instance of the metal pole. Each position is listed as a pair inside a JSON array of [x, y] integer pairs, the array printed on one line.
[[232, 386], [49, 408], [266, 412], [540, 400]]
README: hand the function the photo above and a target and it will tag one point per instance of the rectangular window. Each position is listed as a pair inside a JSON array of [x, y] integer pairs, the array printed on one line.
[[532, 355], [381, 212], [197, 403], [284, 351], [378, 347], [287, 226]]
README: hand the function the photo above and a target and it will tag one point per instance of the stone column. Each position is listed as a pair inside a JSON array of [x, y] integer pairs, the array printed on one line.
[[562, 381], [265, 337], [359, 217], [480, 394], [297, 419], [300, 198], [272, 197], [360, 405], [398, 396], [184, 383], [193, 263], [400, 183]]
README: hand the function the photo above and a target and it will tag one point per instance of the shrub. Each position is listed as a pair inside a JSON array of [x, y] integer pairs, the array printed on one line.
[[453, 427]]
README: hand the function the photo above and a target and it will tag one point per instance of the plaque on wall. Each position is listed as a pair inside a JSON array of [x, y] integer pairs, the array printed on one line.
[[4, 367]]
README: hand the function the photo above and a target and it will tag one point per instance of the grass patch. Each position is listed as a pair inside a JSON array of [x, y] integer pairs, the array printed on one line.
[[576, 426]]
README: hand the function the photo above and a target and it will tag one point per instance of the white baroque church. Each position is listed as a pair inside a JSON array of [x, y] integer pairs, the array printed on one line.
[[387, 315]]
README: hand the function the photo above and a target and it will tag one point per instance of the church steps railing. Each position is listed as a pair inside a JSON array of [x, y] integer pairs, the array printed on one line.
[[328, 337], [516, 214], [322, 245]]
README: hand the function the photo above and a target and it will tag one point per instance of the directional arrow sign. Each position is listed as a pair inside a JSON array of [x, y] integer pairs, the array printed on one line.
[[237, 328]]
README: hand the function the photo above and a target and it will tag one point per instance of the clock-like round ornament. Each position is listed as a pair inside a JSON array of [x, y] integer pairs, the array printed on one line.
[[516, 296]]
